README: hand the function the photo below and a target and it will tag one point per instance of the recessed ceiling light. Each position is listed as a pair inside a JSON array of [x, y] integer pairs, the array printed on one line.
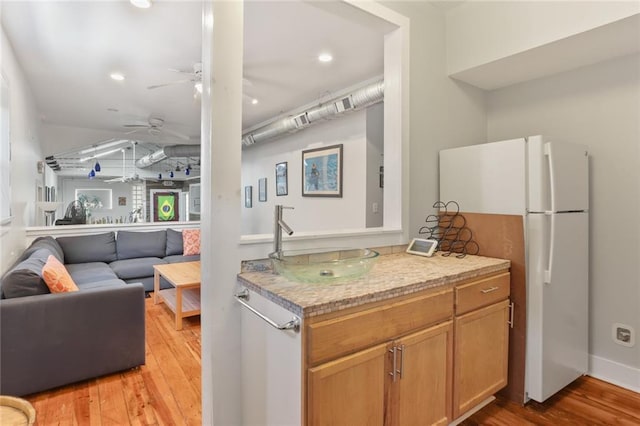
[[142, 4], [254, 101], [325, 57], [116, 76]]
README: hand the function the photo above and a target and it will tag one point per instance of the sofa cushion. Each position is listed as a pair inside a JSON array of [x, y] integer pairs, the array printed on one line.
[[89, 272], [56, 276], [44, 242], [89, 248], [133, 245], [114, 282], [180, 258], [127, 269], [25, 279], [174, 242], [190, 242]]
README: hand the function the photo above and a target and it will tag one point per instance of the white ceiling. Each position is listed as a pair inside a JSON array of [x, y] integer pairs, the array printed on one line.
[[68, 49]]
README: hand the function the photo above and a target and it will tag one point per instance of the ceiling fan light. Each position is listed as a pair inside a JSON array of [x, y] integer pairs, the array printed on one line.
[[142, 4]]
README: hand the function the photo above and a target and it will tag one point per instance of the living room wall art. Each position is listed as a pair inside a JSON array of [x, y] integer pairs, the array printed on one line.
[[282, 187], [322, 172], [167, 206]]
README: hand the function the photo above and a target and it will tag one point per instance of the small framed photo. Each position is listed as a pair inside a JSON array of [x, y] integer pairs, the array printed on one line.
[[262, 189], [248, 197], [422, 247], [282, 186], [122, 201], [322, 172]]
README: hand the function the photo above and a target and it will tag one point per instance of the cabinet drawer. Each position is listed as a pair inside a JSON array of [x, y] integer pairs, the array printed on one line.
[[346, 334], [481, 293]]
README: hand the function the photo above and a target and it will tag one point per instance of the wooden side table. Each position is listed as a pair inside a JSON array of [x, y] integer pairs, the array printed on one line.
[[184, 298]]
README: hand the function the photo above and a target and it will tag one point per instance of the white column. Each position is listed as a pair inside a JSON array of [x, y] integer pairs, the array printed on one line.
[[222, 50]]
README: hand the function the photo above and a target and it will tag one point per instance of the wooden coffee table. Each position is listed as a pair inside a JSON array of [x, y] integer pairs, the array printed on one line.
[[184, 298]]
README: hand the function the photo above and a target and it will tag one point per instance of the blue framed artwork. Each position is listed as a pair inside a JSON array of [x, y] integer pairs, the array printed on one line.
[[322, 172]]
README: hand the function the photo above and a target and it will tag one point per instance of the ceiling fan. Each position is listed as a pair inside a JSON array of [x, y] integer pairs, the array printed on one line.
[[155, 127], [195, 77], [134, 177]]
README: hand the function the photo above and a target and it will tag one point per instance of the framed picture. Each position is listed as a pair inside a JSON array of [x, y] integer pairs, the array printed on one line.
[[262, 189], [166, 207], [282, 187], [248, 197], [322, 172], [122, 201]]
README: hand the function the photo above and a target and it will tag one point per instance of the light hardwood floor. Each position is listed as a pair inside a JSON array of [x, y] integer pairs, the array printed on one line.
[[166, 391]]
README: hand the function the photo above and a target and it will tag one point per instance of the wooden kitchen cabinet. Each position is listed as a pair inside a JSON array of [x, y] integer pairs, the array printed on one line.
[[450, 348], [481, 342], [421, 392], [368, 387]]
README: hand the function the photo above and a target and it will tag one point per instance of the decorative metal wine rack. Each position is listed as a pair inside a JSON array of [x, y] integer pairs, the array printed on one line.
[[449, 229]]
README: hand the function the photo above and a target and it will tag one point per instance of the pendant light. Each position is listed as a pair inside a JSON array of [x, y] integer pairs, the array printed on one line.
[[159, 176], [92, 174], [171, 173], [187, 171], [97, 167]]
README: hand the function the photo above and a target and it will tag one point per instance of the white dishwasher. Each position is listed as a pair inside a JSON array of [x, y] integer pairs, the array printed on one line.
[[271, 362]]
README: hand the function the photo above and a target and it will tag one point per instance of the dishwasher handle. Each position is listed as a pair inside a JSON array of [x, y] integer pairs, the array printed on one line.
[[294, 324]]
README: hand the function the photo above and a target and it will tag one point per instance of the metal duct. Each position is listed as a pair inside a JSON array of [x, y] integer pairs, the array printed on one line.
[[360, 98], [168, 152]]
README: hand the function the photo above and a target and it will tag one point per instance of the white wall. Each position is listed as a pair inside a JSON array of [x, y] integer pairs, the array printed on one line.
[[444, 113], [25, 153], [599, 106], [118, 189], [480, 32], [310, 213], [375, 159]]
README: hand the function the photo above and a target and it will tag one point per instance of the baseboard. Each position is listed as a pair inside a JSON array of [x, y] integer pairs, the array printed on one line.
[[615, 373], [471, 412]]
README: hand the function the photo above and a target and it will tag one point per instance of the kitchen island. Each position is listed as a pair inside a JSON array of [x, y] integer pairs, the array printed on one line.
[[401, 345]]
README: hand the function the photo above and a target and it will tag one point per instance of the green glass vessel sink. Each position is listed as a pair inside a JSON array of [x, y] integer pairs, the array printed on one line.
[[328, 265]]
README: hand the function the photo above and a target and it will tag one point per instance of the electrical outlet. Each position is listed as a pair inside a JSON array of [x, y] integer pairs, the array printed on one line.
[[623, 335]]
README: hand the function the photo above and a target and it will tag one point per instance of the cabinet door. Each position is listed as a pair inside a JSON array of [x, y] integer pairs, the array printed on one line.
[[422, 390], [481, 355], [348, 391]]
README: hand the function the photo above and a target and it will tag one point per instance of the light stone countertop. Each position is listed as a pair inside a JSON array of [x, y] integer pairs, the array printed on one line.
[[391, 276]]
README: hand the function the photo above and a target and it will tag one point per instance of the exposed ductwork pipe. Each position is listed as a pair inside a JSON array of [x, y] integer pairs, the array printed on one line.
[[168, 152], [364, 97], [361, 98]]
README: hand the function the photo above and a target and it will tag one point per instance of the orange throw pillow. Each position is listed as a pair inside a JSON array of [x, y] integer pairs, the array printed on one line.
[[56, 277], [190, 242]]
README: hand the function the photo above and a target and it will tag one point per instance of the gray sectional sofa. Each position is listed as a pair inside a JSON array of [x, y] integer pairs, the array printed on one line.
[[49, 340]]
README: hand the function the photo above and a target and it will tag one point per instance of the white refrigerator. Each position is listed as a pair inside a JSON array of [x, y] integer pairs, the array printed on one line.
[[548, 184]]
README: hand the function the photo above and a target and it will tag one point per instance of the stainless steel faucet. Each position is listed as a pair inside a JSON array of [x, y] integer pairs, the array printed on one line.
[[278, 226]]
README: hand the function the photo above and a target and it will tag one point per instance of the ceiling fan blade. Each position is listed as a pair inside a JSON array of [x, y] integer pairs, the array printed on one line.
[[140, 126], [186, 80], [176, 134], [181, 71]]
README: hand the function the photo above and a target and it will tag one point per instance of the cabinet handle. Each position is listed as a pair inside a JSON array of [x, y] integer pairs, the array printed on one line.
[[489, 290], [401, 370], [393, 370], [512, 308]]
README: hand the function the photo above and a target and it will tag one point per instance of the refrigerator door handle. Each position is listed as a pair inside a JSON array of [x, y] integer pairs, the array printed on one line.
[[552, 185], [552, 243]]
